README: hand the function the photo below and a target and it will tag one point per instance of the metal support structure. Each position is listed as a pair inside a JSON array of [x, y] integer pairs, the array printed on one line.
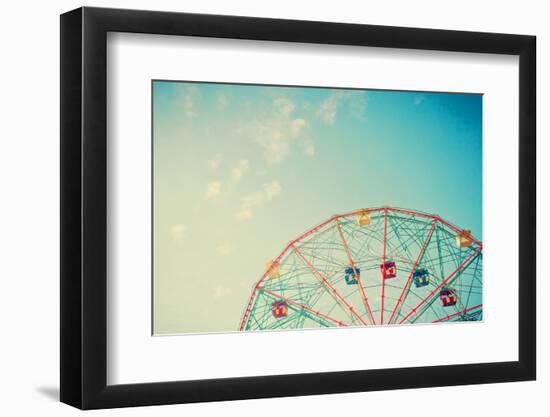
[[338, 243]]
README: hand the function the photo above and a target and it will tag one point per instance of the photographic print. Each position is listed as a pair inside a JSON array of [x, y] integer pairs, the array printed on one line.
[[286, 207]]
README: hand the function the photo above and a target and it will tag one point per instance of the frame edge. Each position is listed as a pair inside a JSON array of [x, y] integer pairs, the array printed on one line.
[[528, 206], [71, 376]]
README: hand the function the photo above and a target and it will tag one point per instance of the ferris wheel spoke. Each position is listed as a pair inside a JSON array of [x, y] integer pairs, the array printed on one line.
[[450, 316], [410, 236], [304, 307], [384, 263], [407, 235], [431, 294], [430, 305], [330, 288], [357, 277], [418, 258]]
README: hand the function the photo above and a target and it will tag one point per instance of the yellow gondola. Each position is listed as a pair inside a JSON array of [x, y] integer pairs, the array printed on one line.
[[464, 239], [363, 218], [273, 269]]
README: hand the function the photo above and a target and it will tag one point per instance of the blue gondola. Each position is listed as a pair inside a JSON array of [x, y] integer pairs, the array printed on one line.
[[421, 277], [350, 277]]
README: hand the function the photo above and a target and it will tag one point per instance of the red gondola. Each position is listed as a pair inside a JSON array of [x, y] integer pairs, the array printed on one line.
[[388, 269], [448, 297], [279, 309]]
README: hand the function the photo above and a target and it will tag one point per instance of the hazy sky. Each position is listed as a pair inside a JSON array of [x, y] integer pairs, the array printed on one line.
[[241, 170]]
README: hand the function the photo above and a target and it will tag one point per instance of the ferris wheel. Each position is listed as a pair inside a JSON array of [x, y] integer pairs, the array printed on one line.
[[371, 267]]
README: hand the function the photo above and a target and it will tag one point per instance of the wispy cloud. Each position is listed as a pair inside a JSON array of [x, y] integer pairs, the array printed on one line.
[[251, 202], [225, 249], [245, 213], [187, 96], [240, 170], [358, 105], [222, 291], [296, 127], [271, 190], [276, 128], [274, 141], [355, 101], [189, 106], [309, 147], [222, 101], [215, 161], [248, 204], [418, 100], [178, 232], [329, 107], [284, 105], [213, 189]]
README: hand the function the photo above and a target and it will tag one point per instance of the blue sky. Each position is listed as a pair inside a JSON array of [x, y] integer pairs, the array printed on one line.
[[240, 170]]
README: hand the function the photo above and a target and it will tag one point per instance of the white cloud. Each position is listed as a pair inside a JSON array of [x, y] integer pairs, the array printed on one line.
[[356, 103], [244, 213], [240, 170], [309, 147], [178, 232], [296, 127], [215, 161], [274, 140], [271, 190], [213, 189], [284, 105], [187, 96], [221, 291], [222, 101], [189, 106], [418, 100], [225, 249], [275, 129], [252, 201], [329, 107]]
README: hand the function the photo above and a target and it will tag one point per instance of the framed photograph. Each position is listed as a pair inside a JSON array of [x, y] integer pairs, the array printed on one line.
[[257, 207]]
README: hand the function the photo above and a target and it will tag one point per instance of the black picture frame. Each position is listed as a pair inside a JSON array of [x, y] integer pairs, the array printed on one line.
[[84, 207]]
